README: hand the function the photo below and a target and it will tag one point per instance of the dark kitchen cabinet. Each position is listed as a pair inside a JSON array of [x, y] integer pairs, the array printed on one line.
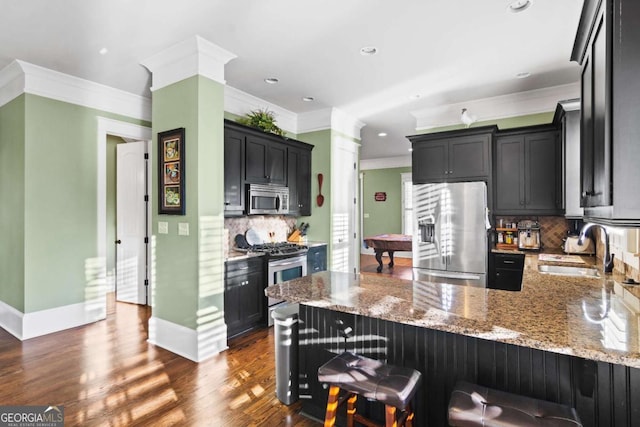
[[244, 300], [505, 271], [462, 155], [234, 192], [606, 47], [528, 172], [251, 157], [299, 181], [266, 161], [317, 259]]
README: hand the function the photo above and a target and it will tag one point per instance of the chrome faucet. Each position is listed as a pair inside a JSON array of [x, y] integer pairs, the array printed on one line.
[[607, 258]]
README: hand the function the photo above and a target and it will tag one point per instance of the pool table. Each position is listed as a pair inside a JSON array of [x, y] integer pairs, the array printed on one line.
[[389, 243]]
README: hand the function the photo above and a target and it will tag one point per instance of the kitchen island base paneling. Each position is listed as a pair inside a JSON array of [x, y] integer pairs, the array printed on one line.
[[603, 394]]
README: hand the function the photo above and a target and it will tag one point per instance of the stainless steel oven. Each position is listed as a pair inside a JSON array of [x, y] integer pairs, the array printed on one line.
[[280, 270], [267, 199]]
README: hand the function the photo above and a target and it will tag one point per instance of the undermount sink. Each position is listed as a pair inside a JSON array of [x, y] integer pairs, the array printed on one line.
[[565, 270]]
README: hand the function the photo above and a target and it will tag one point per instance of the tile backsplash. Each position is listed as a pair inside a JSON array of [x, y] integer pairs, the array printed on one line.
[[553, 229], [280, 225]]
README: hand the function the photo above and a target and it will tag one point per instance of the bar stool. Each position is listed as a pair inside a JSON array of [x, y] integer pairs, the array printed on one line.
[[473, 405], [356, 375]]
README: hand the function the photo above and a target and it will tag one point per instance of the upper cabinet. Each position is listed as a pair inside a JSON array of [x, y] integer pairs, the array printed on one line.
[[567, 118], [452, 156], [266, 161], [254, 157], [234, 144], [299, 180], [606, 46], [528, 172]]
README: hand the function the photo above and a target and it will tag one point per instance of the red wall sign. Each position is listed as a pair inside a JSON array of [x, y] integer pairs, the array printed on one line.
[[380, 196]]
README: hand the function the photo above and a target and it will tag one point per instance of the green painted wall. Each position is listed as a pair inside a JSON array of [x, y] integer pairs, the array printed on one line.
[[384, 217], [60, 202], [112, 142], [189, 269], [507, 123], [12, 192], [50, 245]]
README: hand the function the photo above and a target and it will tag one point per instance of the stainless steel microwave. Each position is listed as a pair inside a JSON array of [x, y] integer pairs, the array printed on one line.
[[267, 199]]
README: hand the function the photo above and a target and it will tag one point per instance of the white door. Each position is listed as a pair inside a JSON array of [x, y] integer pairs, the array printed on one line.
[[345, 248], [131, 227]]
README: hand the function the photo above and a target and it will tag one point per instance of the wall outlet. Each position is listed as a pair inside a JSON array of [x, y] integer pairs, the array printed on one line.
[[183, 229], [366, 215], [163, 227]]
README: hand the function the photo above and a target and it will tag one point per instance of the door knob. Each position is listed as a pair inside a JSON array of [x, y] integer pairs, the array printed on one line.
[[118, 242]]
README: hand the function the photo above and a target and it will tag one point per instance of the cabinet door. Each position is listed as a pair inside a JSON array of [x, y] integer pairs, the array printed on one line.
[[469, 157], [430, 161], [233, 304], [233, 172], [304, 183], [541, 161], [601, 133], [509, 173], [276, 163], [252, 299], [299, 181], [317, 259], [256, 160]]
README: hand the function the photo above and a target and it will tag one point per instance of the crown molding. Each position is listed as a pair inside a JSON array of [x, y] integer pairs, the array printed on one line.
[[386, 163], [498, 107], [22, 77], [194, 56], [240, 103], [330, 118]]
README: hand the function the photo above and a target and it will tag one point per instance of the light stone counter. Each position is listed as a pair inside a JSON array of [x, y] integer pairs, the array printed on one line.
[[593, 318]]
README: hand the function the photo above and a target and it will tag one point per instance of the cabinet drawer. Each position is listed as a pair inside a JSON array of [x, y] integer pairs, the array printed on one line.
[[509, 261], [243, 267]]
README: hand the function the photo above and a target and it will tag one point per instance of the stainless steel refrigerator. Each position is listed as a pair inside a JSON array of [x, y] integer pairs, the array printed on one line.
[[450, 233]]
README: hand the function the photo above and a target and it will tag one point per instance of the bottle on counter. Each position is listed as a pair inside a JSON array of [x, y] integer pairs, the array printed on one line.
[[500, 237]]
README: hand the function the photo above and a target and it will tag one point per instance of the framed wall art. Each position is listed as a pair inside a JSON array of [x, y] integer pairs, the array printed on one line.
[[171, 172]]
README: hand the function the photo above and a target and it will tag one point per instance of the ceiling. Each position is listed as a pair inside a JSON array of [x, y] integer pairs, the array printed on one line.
[[445, 51]]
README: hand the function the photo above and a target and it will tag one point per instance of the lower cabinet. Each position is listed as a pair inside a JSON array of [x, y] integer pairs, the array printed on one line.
[[244, 300], [317, 259], [505, 271]]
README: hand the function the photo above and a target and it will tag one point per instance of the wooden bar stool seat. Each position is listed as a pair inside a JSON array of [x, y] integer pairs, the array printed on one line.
[[359, 376], [472, 405]]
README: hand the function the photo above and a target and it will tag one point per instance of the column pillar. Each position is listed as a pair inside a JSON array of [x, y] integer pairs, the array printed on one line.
[[187, 277]]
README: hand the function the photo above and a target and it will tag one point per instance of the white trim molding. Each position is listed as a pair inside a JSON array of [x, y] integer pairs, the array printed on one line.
[[497, 107], [194, 56], [22, 77], [240, 103], [30, 325], [570, 104], [330, 118], [189, 343], [385, 163]]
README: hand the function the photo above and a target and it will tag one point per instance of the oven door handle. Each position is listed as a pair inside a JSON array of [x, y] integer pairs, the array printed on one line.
[[286, 264]]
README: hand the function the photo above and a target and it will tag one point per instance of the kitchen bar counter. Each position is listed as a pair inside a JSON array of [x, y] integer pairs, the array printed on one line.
[[595, 319]]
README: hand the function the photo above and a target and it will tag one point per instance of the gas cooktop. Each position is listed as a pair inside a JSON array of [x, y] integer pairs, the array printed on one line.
[[277, 250]]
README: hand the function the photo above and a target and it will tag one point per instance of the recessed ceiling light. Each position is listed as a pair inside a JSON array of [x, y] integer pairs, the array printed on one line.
[[382, 134], [103, 51], [271, 80], [523, 75], [308, 99], [368, 51], [519, 5]]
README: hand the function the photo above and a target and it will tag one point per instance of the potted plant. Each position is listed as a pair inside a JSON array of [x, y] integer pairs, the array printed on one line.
[[262, 119]]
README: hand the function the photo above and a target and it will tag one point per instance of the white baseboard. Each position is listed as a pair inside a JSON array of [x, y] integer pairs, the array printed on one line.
[[30, 325], [369, 251], [188, 343]]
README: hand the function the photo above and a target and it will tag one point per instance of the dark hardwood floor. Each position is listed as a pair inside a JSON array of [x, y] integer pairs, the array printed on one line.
[[106, 374], [402, 268]]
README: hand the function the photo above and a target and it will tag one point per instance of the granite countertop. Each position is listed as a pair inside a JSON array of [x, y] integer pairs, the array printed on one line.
[[237, 255], [593, 318]]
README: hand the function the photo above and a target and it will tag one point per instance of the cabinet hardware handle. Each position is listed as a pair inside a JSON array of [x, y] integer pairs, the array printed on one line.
[[508, 262], [450, 172], [227, 203], [118, 241]]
